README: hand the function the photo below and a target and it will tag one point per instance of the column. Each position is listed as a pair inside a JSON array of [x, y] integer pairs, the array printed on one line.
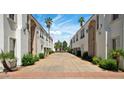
[[18, 38]]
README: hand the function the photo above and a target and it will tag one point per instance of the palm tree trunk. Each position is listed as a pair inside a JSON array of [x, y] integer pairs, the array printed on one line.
[[49, 30], [81, 24]]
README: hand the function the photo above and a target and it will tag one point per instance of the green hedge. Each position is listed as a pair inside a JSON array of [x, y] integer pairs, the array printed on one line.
[[7, 55], [96, 60], [108, 64], [36, 58], [28, 59], [78, 53], [86, 56], [50, 52], [41, 55]]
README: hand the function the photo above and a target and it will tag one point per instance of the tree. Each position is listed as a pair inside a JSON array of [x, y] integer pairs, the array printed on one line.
[[58, 45], [81, 21], [64, 45], [48, 22]]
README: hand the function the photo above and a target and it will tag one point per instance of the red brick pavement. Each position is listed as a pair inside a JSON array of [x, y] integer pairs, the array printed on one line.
[[62, 65], [93, 75]]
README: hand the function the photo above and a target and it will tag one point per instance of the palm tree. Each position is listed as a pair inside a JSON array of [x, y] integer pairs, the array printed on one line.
[[81, 20], [116, 54], [48, 22]]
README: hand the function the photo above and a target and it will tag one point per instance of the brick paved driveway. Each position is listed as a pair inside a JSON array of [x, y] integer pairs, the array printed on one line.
[[62, 65]]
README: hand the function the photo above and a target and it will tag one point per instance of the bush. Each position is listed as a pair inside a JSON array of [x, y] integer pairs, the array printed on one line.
[[96, 60], [41, 55], [87, 57], [78, 53], [28, 59], [108, 64], [7, 55], [69, 50], [36, 58], [85, 54], [50, 52]]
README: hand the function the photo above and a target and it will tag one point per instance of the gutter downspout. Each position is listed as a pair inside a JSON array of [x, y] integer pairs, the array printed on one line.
[[122, 32], [106, 37], [106, 43], [123, 38]]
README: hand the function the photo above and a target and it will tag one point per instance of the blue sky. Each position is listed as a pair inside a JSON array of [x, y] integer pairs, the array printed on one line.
[[64, 25]]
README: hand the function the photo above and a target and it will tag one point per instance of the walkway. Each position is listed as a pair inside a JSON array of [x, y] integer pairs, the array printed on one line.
[[62, 65]]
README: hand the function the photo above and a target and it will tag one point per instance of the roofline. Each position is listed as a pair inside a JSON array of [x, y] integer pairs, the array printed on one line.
[[83, 25], [41, 26]]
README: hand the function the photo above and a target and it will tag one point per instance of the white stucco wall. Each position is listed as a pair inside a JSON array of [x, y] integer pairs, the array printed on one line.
[[100, 38], [17, 30], [8, 32], [1, 32], [1, 39], [22, 37]]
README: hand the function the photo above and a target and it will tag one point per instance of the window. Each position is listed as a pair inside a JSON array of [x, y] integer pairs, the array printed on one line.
[[46, 39], [97, 22], [71, 41], [114, 44], [115, 16], [87, 30], [27, 22], [12, 45], [82, 34], [74, 39], [77, 37], [11, 16], [41, 35]]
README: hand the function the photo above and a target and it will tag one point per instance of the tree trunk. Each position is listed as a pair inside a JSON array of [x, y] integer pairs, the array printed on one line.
[[49, 30]]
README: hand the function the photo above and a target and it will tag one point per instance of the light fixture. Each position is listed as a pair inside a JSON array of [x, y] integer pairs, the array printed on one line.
[[24, 28]]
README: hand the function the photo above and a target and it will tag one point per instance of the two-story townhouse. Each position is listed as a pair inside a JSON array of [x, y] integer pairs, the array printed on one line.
[[21, 34], [41, 41], [115, 33], [82, 43], [103, 33], [13, 33]]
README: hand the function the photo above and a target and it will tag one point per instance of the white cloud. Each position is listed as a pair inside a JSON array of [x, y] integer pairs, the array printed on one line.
[[64, 32], [64, 23], [57, 17], [55, 32]]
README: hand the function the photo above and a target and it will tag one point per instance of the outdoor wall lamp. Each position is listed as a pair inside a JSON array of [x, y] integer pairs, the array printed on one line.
[[87, 30], [100, 28], [37, 31], [24, 28]]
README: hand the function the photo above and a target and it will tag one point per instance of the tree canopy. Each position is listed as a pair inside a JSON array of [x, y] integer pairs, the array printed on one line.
[[61, 46]]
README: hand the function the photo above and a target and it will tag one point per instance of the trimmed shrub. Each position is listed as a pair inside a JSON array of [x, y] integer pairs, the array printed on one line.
[[50, 52], [96, 60], [28, 59], [69, 50], [85, 54], [36, 58], [78, 53], [108, 64], [41, 55], [7, 55], [87, 57]]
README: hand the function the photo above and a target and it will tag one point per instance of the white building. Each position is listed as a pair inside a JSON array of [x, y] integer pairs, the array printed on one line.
[[21, 34], [101, 34], [41, 41]]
